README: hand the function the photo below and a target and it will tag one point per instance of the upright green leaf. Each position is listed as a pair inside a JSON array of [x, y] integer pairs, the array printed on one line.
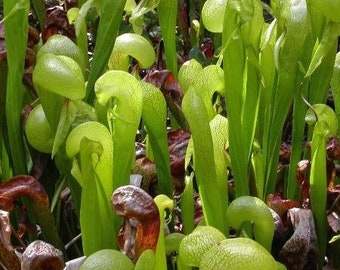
[[16, 33], [330, 8], [5, 166], [90, 147], [138, 13], [204, 162], [335, 85], [154, 115], [318, 59], [325, 123], [121, 93], [163, 203], [187, 205], [167, 14], [39, 10], [110, 20], [293, 25], [241, 35]]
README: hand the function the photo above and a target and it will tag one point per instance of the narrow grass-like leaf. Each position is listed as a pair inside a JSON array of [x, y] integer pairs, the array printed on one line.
[[187, 205], [322, 31], [219, 134], [319, 190], [167, 14], [318, 62], [81, 26], [266, 59], [241, 34], [325, 124], [335, 85], [16, 32], [5, 167], [315, 87], [335, 238], [204, 162], [293, 16], [81, 32], [319, 81], [39, 10], [297, 118], [110, 20], [154, 115], [298, 130], [330, 35]]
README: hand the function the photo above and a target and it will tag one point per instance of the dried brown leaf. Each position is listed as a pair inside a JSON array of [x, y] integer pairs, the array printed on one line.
[[280, 205], [333, 148], [22, 186], [285, 152], [178, 142], [300, 251], [147, 169], [134, 204], [334, 221], [41, 255], [302, 175], [57, 23], [8, 256]]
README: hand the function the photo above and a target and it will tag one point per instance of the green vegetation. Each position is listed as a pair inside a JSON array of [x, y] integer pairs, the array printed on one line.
[[238, 75]]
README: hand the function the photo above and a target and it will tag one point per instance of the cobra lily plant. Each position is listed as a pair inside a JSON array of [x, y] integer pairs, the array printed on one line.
[[84, 83]]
